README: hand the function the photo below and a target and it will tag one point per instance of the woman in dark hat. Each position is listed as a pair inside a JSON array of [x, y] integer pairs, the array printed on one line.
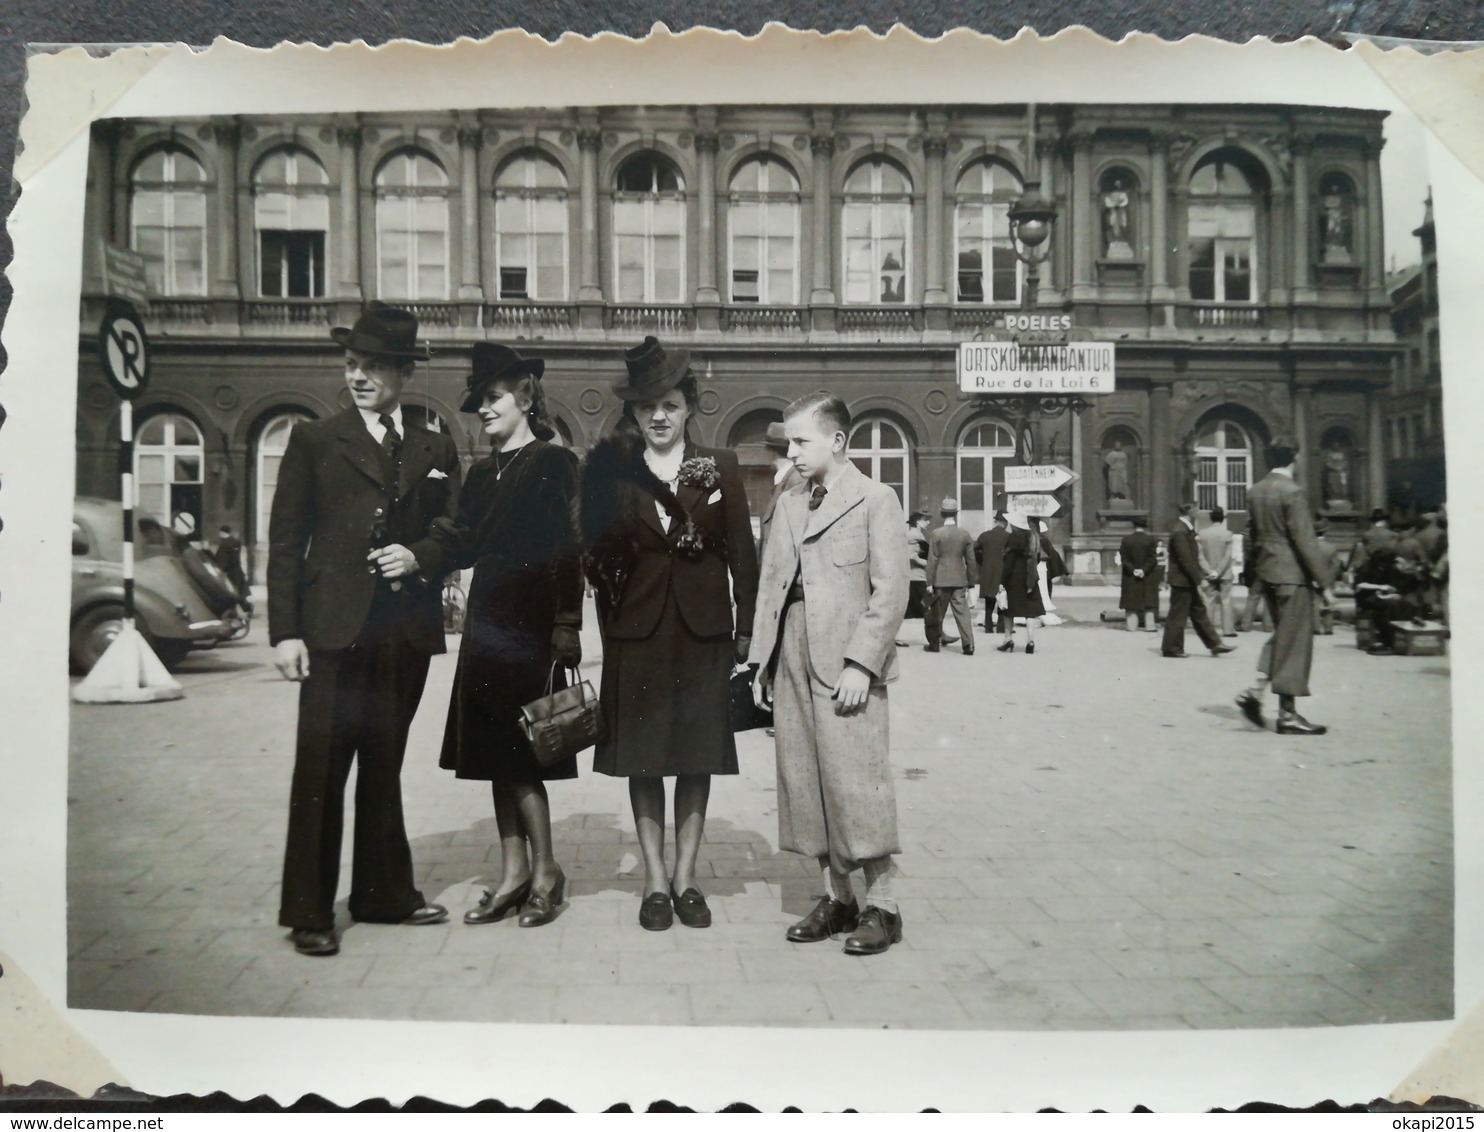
[[515, 527], [1022, 585], [670, 546]]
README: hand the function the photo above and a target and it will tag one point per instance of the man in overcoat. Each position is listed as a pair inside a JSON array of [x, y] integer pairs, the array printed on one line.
[[829, 604], [1186, 577], [1138, 594], [989, 554], [354, 614], [950, 571], [1291, 569]]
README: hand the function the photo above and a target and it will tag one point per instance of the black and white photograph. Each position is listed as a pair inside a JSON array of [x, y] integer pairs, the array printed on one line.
[[729, 563]]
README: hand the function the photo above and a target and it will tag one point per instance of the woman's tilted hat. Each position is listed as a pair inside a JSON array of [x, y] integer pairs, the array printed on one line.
[[493, 361], [1018, 520], [652, 372], [385, 331]]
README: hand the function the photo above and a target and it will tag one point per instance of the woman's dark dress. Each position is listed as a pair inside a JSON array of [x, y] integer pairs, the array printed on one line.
[[1022, 591], [516, 530]]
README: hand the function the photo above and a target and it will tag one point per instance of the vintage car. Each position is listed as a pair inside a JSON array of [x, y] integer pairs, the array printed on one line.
[[171, 610]]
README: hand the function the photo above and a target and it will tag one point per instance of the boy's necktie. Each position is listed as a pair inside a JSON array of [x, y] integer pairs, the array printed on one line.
[[816, 497]]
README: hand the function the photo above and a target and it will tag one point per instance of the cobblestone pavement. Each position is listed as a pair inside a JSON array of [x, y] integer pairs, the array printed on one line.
[[1092, 839]]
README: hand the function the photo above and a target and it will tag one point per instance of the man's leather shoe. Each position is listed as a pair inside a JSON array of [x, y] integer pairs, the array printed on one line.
[[829, 917], [1251, 708], [427, 914], [656, 913], [1297, 725], [1219, 649], [969, 651], [307, 941], [1380, 650], [690, 907], [1176, 655], [878, 930], [932, 648]]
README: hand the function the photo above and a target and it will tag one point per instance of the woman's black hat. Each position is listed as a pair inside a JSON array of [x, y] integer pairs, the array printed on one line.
[[493, 361], [652, 372], [385, 331]]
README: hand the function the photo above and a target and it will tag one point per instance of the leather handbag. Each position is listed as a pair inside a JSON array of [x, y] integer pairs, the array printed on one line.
[[562, 722], [746, 715]]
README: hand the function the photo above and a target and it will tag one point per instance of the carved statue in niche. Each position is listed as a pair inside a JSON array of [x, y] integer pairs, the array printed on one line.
[[1336, 220], [1116, 477], [1116, 204], [1335, 480]]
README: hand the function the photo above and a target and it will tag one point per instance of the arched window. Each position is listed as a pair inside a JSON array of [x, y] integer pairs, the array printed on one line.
[[988, 269], [648, 231], [167, 221], [291, 212], [877, 226], [1223, 466], [411, 227], [169, 459], [1118, 209], [983, 451], [879, 448], [1336, 217], [531, 228], [272, 442], [1222, 228], [763, 232]]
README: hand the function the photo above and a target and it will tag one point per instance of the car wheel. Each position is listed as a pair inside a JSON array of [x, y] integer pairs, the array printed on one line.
[[92, 633]]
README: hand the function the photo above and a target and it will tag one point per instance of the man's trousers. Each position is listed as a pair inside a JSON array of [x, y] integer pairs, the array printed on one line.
[[1185, 604], [835, 793], [1288, 655], [956, 598], [355, 707]]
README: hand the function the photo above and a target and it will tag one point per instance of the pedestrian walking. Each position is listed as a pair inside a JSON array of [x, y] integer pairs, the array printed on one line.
[[228, 555], [354, 614], [1214, 544], [1138, 594], [1020, 592], [1290, 569], [1186, 577], [951, 570], [669, 540], [515, 527], [1048, 569], [917, 550], [989, 553], [830, 603]]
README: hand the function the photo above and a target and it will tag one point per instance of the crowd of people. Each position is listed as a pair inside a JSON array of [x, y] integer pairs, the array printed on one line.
[[370, 516]]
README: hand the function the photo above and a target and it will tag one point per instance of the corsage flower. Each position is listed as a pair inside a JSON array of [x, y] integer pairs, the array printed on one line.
[[700, 472]]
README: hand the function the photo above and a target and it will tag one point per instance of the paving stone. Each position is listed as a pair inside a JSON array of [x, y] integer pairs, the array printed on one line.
[[630, 1004], [1273, 994], [709, 966], [559, 967], [1168, 963], [534, 1004], [877, 1003], [805, 963], [359, 1002], [1126, 996], [736, 1004], [463, 971]]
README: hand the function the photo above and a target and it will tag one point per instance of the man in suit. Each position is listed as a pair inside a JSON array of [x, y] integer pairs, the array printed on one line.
[[354, 613], [1186, 577], [1291, 568], [833, 588], [784, 478], [989, 554], [1215, 546], [949, 573], [1138, 594]]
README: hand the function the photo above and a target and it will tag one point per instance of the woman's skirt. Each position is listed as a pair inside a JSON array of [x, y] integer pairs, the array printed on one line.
[[666, 703]]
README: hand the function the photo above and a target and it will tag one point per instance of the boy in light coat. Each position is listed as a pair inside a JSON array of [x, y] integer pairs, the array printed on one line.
[[830, 602]]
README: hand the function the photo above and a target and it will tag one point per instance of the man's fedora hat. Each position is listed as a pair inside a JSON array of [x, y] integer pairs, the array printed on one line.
[[777, 438], [652, 372], [386, 331], [949, 506], [491, 362]]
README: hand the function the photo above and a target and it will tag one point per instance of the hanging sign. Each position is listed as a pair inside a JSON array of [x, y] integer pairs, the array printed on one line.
[[1037, 368], [1040, 506], [1038, 477], [124, 350]]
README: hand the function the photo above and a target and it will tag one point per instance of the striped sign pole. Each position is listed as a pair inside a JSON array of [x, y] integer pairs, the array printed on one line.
[[126, 478]]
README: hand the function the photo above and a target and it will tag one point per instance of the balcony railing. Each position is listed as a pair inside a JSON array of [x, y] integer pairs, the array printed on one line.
[[762, 320], [1229, 315], [431, 314], [879, 322], [179, 312], [665, 319], [527, 318], [288, 312]]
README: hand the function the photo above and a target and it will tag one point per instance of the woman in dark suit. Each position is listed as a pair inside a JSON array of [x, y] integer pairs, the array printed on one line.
[[1022, 585], [670, 546], [515, 527]]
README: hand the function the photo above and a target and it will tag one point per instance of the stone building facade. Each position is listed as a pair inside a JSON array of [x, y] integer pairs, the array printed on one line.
[[1417, 473], [1232, 253]]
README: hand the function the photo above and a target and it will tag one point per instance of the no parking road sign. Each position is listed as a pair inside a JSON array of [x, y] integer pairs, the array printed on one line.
[[124, 350]]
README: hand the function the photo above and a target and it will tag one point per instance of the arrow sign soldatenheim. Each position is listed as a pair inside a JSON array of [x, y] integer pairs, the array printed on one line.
[[1040, 506], [1038, 477]]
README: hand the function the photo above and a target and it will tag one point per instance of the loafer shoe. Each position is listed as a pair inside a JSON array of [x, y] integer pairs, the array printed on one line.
[[1252, 709], [491, 909], [307, 941], [1298, 725], [828, 917], [877, 931], [656, 913], [690, 907], [427, 914]]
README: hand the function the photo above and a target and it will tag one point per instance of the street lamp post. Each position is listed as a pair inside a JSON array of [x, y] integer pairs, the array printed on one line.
[[1032, 222]]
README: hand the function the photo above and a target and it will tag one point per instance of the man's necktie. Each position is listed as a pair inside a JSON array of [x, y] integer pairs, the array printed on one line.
[[391, 442], [816, 497]]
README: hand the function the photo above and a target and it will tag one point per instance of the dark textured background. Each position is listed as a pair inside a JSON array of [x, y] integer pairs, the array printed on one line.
[[266, 22]]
